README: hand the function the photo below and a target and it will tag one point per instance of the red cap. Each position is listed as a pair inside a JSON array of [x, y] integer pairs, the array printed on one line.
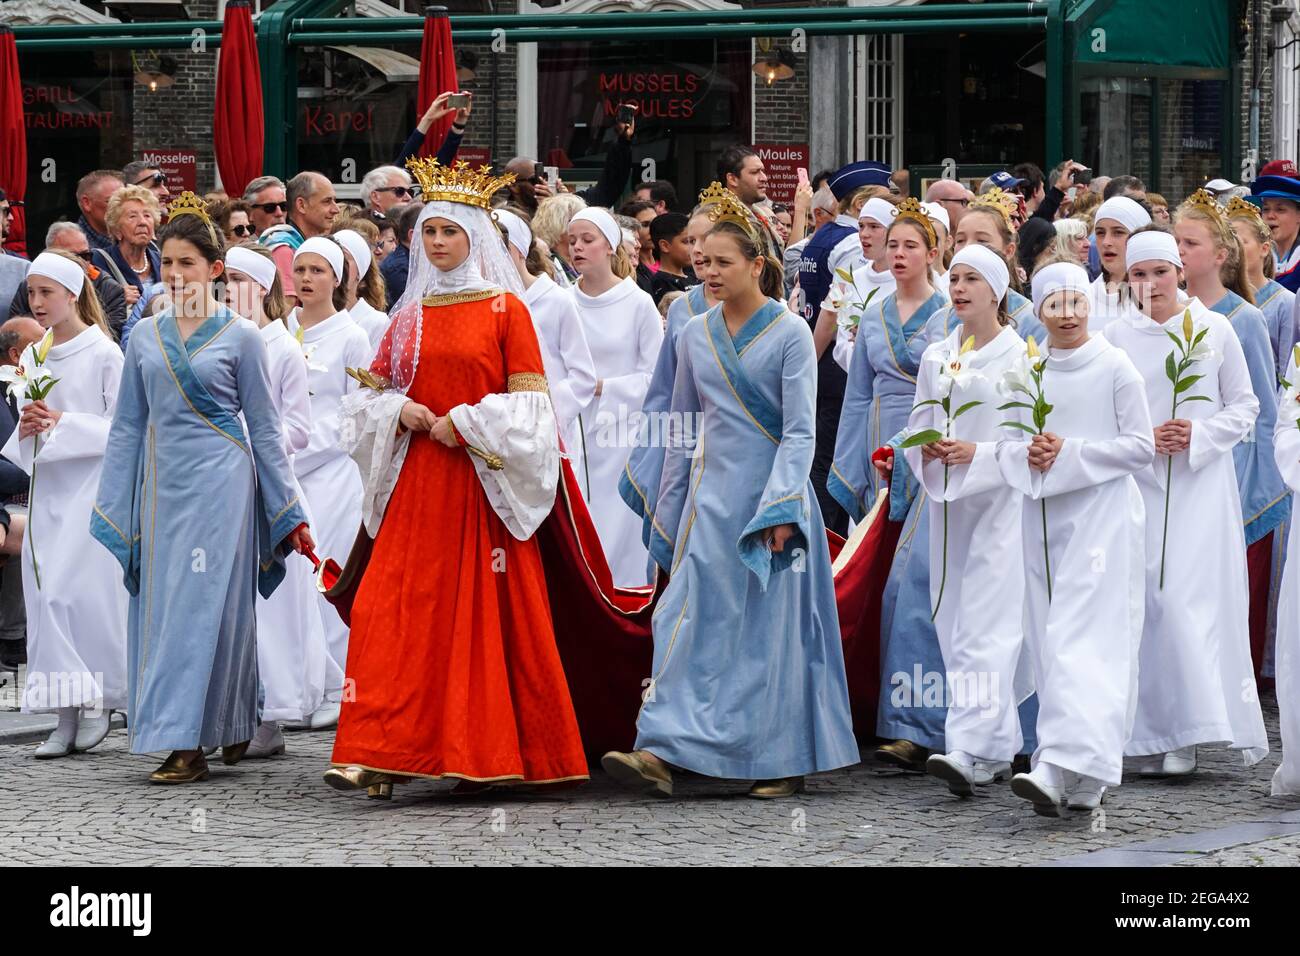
[[1280, 167]]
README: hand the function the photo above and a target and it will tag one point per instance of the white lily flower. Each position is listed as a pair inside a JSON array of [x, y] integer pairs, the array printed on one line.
[[308, 351], [1017, 380], [1288, 406], [20, 382]]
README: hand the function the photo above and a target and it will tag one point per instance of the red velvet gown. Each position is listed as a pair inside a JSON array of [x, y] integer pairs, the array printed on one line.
[[452, 664]]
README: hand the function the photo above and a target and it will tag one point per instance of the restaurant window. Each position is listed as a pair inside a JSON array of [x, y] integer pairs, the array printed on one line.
[[1191, 133], [1115, 126], [693, 99], [356, 108], [78, 112]]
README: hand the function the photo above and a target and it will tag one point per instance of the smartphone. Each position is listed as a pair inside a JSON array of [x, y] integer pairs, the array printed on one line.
[[1082, 177], [539, 172], [458, 101], [802, 175], [626, 112]]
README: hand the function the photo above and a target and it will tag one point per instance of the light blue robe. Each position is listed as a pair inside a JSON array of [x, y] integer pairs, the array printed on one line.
[[910, 657], [639, 484], [878, 397], [748, 676], [1278, 305], [1265, 498], [198, 521]]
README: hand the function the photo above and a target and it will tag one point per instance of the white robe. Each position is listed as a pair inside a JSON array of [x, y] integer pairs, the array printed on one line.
[[1083, 645], [1196, 683], [1286, 451], [291, 655], [76, 619], [1105, 307], [570, 371], [979, 621], [371, 320], [865, 278], [624, 333], [329, 478]]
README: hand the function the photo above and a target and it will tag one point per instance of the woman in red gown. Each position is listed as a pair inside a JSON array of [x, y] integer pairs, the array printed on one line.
[[452, 665]]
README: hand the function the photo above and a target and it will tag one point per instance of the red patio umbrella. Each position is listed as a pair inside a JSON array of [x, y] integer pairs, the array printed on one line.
[[13, 139], [238, 127], [437, 73]]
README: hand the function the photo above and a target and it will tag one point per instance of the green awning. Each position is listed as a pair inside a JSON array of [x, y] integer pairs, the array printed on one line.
[[1192, 33]]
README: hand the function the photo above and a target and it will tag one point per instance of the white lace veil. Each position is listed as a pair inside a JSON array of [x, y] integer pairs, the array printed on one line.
[[488, 266]]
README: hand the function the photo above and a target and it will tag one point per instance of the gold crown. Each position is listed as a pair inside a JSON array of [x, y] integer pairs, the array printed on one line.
[[188, 204], [1238, 208], [1003, 203], [725, 207], [457, 183], [1204, 200], [910, 208]]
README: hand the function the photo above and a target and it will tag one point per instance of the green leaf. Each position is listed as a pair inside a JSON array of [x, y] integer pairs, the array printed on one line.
[[1200, 335], [1171, 369], [1183, 385], [1047, 409], [1194, 398], [1177, 341], [965, 408], [921, 438], [928, 401], [1003, 408], [1284, 383], [1022, 427]]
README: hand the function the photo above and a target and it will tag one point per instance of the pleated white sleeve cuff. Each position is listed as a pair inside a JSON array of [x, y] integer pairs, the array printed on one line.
[[368, 422], [520, 429]]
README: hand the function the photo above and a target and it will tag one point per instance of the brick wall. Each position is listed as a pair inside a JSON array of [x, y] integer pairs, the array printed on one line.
[[781, 109], [179, 117], [506, 63]]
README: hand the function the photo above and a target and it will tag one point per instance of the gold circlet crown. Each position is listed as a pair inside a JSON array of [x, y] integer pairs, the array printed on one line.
[[725, 207], [188, 204], [999, 201], [457, 183], [910, 208], [1204, 200], [1239, 208]]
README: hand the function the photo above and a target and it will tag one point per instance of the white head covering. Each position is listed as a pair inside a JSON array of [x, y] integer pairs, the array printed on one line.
[[603, 221], [70, 275], [357, 248], [1058, 276], [938, 214], [1124, 211], [991, 266], [518, 232], [1146, 246], [257, 267], [487, 266], [327, 249], [879, 210]]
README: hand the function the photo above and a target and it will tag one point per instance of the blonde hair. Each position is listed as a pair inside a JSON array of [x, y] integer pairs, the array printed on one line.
[[274, 305], [88, 308], [1085, 204], [1060, 249], [1231, 274], [1008, 239], [1262, 235], [858, 198], [125, 195], [371, 288], [622, 264], [553, 215]]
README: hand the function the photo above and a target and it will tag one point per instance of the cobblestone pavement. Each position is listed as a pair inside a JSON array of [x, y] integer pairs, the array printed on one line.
[[97, 809]]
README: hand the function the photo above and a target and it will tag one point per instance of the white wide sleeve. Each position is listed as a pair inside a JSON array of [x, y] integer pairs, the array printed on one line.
[[520, 429], [76, 434], [1219, 433], [1086, 464], [368, 423], [574, 385]]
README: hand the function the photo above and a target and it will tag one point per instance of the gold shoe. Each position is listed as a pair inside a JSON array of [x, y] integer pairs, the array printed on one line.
[[233, 753], [174, 770], [378, 786], [635, 771], [776, 789], [904, 754]]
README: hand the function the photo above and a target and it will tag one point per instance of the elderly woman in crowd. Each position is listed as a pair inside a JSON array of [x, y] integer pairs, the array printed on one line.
[[132, 218]]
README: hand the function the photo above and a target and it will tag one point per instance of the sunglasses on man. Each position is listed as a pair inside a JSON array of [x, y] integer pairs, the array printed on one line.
[[241, 231], [401, 192], [153, 179], [271, 207]]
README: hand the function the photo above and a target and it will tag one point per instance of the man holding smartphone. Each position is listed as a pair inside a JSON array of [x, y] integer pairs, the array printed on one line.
[[531, 185]]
